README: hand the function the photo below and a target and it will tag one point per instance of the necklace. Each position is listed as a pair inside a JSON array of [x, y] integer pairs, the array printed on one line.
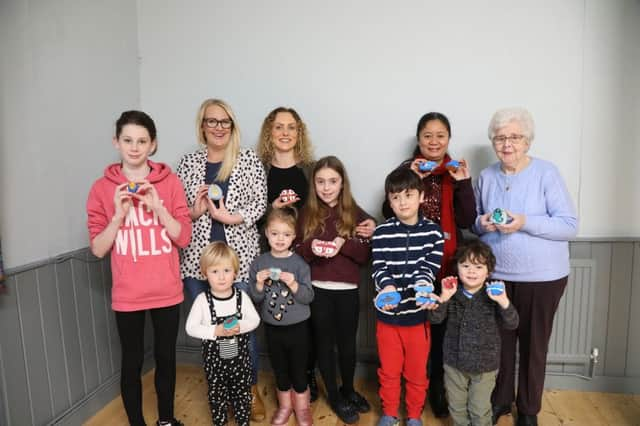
[[506, 182], [508, 175]]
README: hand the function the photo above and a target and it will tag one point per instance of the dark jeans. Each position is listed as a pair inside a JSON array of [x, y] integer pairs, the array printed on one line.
[[165, 332], [536, 303], [195, 286]]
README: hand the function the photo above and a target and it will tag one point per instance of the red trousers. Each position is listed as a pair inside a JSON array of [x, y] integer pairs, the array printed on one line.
[[403, 352]]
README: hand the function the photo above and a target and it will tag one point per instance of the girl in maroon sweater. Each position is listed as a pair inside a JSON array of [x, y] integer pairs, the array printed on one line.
[[331, 240]]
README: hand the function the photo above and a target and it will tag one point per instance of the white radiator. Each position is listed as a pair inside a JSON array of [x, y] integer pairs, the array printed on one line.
[[570, 342]]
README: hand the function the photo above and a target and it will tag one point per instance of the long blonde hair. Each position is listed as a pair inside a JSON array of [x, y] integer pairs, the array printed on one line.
[[232, 150], [316, 211], [303, 150]]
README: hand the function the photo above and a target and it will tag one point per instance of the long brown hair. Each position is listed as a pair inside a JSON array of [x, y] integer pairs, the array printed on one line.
[[315, 211]]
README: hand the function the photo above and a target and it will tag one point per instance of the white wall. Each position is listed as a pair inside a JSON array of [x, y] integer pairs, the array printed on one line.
[[68, 69], [631, 80], [360, 73], [609, 176]]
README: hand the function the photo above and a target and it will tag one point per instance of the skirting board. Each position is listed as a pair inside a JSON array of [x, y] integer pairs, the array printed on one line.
[[91, 404], [628, 385], [110, 389], [95, 401], [368, 370]]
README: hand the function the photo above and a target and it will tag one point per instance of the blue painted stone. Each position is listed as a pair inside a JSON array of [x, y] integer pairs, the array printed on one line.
[[421, 293], [215, 192], [390, 298], [274, 273], [133, 187], [427, 166], [499, 217], [230, 323], [453, 165], [495, 288]]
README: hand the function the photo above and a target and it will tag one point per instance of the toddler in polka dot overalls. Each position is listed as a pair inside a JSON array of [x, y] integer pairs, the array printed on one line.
[[222, 316]]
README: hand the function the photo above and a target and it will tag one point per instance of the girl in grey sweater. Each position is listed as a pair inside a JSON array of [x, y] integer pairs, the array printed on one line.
[[280, 281]]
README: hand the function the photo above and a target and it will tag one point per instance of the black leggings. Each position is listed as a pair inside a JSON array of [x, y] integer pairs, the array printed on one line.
[[165, 332], [288, 347], [334, 314]]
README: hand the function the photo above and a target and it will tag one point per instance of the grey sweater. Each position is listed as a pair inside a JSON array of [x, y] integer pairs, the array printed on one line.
[[472, 338], [277, 304]]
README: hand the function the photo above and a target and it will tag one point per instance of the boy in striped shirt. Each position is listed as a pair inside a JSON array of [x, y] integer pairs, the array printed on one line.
[[407, 251]]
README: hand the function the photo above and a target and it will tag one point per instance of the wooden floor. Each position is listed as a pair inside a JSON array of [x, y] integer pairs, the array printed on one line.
[[558, 407]]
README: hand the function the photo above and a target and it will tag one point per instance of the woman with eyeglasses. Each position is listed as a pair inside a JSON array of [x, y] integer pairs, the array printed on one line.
[[449, 202], [227, 194], [530, 242]]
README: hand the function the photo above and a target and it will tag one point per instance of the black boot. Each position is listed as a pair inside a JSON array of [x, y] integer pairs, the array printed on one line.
[[313, 385], [438, 400], [358, 401], [499, 410], [527, 420], [344, 410]]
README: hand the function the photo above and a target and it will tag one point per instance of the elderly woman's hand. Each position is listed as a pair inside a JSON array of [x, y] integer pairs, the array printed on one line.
[[486, 224], [517, 222]]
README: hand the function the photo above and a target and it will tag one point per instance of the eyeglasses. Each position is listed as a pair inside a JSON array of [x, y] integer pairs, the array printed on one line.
[[212, 123], [513, 139]]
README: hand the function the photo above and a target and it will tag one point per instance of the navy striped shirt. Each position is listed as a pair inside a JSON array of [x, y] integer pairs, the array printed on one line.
[[402, 256]]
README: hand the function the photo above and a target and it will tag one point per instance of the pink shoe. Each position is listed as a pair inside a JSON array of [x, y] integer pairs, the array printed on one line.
[[302, 407], [282, 414]]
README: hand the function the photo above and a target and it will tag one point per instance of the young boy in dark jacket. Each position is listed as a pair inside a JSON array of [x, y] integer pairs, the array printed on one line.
[[472, 340]]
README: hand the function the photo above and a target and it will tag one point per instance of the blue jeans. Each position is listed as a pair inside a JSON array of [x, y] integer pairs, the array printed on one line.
[[195, 286]]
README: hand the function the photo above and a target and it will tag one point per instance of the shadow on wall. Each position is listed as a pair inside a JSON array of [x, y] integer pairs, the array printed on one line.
[[2, 285], [480, 157]]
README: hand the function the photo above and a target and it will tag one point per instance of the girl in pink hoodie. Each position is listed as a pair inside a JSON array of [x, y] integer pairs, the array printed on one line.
[[137, 213]]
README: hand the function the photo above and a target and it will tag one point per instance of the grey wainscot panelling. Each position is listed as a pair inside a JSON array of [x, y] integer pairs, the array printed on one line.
[[59, 350], [60, 356]]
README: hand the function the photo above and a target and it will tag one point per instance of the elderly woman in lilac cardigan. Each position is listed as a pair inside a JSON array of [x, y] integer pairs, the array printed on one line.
[[532, 253]]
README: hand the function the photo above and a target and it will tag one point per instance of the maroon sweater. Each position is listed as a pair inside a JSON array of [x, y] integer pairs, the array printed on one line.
[[344, 266]]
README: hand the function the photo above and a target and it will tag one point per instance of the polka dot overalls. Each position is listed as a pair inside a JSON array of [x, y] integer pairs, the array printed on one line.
[[227, 367]]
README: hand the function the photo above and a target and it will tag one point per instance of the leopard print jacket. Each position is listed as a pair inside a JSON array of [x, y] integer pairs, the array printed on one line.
[[247, 195]]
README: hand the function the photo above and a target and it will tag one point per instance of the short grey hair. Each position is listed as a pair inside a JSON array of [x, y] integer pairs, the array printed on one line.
[[519, 115]]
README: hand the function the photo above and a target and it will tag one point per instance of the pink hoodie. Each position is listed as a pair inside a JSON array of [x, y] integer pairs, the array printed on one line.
[[144, 259]]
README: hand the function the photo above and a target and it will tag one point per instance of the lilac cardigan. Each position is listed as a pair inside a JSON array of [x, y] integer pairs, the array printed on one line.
[[540, 250]]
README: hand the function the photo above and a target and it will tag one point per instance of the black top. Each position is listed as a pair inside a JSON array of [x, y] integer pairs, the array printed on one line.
[[289, 178]]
